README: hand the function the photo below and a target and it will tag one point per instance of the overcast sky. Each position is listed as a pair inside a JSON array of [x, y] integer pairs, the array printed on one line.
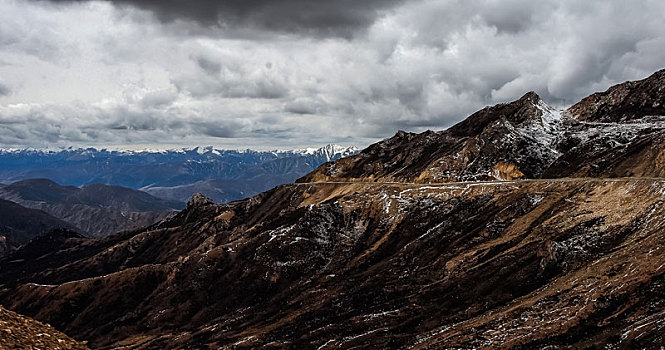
[[291, 73]]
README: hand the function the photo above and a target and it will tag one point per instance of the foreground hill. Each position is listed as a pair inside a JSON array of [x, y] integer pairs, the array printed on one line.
[[97, 210], [18, 332], [361, 254], [223, 175], [465, 265]]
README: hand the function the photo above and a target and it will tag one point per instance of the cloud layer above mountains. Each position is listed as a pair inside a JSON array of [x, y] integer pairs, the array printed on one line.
[[266, 74]]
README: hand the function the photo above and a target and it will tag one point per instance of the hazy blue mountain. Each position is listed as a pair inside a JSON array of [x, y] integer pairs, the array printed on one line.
[[95, 210], [223, 175]]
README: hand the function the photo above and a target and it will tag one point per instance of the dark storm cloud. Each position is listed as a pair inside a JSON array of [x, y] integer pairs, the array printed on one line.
[[315, 17], [300, 107], [216, 129], [209, 66]]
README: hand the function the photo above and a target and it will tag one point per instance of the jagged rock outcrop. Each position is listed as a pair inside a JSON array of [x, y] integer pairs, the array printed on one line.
[[199, 200], [388, 252]]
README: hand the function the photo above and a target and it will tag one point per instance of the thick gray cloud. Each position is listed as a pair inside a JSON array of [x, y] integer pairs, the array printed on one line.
[[110, 73]]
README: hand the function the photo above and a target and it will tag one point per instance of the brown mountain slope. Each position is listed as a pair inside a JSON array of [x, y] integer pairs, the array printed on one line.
[[18, 332], [468, 265]]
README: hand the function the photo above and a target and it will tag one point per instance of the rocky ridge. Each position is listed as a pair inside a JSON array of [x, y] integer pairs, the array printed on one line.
[[624, 102], [526, 139]]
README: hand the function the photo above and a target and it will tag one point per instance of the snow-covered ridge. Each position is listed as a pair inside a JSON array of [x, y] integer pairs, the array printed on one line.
[[544, 132], [329, 151]]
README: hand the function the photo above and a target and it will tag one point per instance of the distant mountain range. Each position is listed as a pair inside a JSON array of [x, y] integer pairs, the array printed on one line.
[[223, 175]]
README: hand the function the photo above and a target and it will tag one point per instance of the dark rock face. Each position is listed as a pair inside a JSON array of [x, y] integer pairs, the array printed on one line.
[[382, 250], [46, 243]]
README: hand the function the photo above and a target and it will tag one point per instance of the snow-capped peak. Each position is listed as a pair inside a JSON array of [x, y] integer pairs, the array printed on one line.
[[330, 151]]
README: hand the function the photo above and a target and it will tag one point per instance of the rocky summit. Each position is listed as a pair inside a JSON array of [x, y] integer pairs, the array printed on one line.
[[521, 227]]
